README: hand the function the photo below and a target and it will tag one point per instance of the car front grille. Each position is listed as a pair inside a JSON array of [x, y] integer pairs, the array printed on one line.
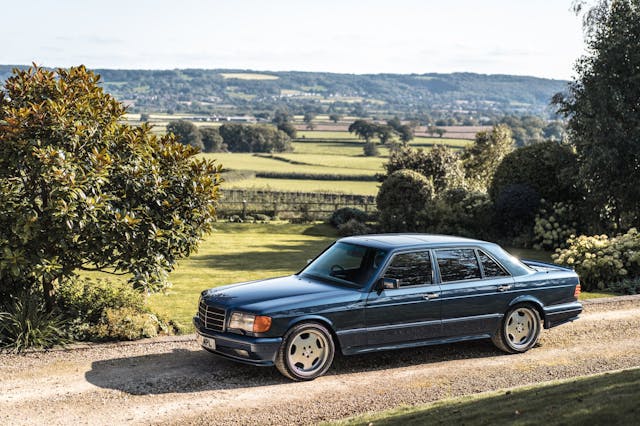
[[211, 317]]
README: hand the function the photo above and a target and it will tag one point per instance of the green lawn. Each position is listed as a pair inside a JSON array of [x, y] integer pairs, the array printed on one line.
[[305, 185], [238, 252], [610, 398]]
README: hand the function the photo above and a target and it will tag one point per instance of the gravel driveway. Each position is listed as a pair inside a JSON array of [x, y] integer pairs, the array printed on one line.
[[172, 381]]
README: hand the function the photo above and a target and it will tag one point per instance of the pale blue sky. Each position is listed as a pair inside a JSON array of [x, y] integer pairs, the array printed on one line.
[[526, 37]]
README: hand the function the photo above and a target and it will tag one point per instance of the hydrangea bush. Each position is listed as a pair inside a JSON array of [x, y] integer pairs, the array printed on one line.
[[554, 225], [600, 261]]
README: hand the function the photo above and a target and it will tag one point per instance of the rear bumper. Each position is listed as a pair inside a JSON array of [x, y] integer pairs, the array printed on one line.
[[246, 349], [560, 314]]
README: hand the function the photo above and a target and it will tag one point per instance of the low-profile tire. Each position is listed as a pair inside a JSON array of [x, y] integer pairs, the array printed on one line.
[[519, 330], [306, 352]]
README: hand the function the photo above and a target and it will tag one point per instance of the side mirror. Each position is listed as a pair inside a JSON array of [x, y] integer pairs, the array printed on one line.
[[387, 284]]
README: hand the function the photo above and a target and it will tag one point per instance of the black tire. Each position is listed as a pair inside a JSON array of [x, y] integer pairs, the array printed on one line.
[[306, 352], [519, 330]]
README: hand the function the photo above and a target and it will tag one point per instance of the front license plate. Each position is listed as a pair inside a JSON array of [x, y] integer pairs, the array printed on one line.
[[207, 342]]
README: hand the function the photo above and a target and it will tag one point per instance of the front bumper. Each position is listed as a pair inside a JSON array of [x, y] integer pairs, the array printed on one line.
[[247, 349]]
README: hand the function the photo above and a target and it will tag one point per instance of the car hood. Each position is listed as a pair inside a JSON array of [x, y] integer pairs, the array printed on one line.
[[277, 294]]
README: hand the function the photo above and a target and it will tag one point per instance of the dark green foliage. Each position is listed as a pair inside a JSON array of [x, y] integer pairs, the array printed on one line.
[[460, 212], [363, 129], [441, 164], [345, 214], [603, 111], [186, 132], [353, 227], [402, 201], [81, 190], [254, 138], [515, 208], [370, 149], [211, 140], [335, 117], [548, 168], [626, 286], [25, 323], [282, 120], [527, 129]]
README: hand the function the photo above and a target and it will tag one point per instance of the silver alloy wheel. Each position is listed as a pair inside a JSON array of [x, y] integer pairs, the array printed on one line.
[[308, 352], [521, 328]]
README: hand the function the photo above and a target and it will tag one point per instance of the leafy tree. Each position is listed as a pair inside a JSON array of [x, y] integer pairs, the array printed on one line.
[[144, 117], [547, 168], [404, 131], [282, 120], [440, 164], [402, 201], [335, 117], [81, 190], [384, 133], [440, 132], [370, 149], [485, 155], [603, 112], [211, 139], [308, 119], [363, 129], [254, 138], [186, 132]]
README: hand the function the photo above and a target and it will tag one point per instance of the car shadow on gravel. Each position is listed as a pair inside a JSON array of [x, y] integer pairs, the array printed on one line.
[[185, 370]]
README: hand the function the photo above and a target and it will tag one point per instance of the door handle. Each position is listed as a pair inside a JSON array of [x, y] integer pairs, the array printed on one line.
[[430, 296], [504, 287]]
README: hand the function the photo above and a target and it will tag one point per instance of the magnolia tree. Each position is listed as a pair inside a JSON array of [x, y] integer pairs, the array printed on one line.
[[81, 190]]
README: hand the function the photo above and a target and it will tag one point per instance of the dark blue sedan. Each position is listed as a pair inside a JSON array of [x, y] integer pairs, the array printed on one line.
[[380, 292]]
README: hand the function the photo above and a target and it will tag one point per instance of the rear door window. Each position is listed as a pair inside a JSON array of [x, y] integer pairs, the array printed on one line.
[[458, 264]]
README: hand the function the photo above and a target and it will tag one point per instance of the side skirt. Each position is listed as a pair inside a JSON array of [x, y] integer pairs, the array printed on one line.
[[368, 349]]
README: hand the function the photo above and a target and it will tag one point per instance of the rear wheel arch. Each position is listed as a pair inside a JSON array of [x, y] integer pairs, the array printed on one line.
[[533, 302]]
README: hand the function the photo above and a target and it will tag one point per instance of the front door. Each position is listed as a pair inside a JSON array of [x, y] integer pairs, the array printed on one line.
[[409, 313]]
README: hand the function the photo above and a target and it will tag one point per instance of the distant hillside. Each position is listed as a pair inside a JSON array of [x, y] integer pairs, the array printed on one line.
[[243, 91]]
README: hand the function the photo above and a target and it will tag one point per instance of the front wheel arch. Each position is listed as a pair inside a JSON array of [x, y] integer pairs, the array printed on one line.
[[307, 351]]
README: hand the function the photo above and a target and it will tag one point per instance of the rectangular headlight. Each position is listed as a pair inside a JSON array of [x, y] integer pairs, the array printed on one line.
[[242, 321], [249, 322]]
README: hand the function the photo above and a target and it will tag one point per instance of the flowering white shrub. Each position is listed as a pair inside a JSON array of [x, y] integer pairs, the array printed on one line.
[[601, 261], [554, 225]]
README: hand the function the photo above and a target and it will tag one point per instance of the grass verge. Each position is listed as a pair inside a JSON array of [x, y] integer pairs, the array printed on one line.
[[609, 398]]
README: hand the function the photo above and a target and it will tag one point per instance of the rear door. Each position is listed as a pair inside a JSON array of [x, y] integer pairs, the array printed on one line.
[[475, 291], [410, 312]]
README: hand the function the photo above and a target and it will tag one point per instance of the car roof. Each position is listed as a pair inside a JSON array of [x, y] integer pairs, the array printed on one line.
[[394, 241]]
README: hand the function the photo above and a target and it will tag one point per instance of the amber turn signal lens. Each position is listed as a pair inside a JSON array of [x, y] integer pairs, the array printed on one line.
[[261, 324], [576, 293]]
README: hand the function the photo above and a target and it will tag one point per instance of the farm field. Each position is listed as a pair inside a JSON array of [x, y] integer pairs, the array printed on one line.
[[306, 185]]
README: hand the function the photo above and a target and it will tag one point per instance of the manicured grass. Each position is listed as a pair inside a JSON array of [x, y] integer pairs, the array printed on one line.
[[238, 252], [610, 398], [333, 186]]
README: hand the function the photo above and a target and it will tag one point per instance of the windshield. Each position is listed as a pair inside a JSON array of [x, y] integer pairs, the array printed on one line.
[[345, 263]]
